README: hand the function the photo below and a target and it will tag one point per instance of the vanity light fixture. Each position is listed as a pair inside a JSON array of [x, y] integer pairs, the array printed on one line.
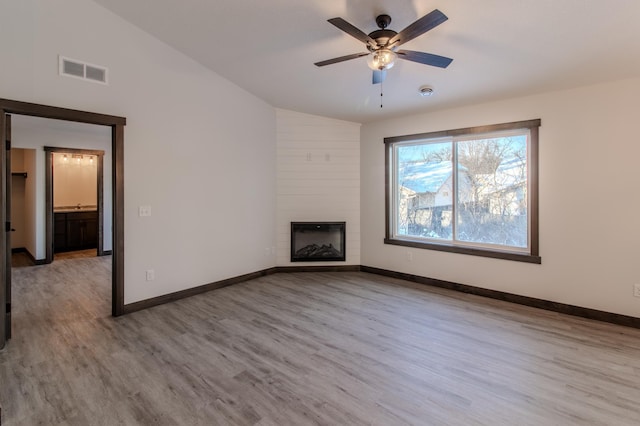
[[77, 157], [65, 158]]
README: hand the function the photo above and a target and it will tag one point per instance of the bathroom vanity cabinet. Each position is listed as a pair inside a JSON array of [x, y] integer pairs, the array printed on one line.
[[75, 230]]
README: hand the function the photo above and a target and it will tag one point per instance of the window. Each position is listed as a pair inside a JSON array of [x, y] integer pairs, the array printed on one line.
[[471, 191]]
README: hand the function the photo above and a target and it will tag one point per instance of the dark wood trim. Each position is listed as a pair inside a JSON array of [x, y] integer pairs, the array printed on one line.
[[172, 297], [518, 257], [562, 308], [534, 196], [45, 111], [387, 191], [117, 260], [48, 205], [8, 219], [4, 284], [96, 152], [117, 136], [100, 202], [527, 124]]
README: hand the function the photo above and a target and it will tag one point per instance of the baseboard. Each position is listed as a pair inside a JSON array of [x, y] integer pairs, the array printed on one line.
[[29, 255], [562, 308], [172, 297], [319, 268], [106, 253], [36, 261]]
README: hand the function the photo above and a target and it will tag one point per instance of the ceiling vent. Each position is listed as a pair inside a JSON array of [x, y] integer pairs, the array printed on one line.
[[78, 69]]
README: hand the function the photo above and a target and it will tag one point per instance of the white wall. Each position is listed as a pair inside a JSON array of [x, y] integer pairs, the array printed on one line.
[[30, 219], [318, 179], [589, 176], [17, 199], [199, 150], [36, 133]]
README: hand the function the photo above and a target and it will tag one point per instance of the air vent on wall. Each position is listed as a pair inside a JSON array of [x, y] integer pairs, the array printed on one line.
[[78, 69]]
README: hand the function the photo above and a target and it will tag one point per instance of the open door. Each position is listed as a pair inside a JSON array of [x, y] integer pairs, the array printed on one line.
[[5, 231]]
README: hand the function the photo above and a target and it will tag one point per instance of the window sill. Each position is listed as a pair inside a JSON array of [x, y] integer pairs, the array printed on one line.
[[518, 257]]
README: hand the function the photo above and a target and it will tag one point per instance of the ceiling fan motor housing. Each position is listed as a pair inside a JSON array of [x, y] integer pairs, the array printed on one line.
[[381, 37]]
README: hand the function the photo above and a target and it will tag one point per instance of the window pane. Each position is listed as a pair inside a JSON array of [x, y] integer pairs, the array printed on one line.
[[424, 190], [492, 191]]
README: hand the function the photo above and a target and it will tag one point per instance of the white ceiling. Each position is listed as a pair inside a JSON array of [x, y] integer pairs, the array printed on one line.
[[501, 48]]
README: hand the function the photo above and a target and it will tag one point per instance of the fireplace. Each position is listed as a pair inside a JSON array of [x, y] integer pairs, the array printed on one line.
[[317, 241]]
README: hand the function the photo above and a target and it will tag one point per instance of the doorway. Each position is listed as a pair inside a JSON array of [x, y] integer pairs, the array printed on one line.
[[116, 124], [74, 200]]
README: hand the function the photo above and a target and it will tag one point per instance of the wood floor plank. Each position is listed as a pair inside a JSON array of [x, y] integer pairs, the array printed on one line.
[[306, 349]]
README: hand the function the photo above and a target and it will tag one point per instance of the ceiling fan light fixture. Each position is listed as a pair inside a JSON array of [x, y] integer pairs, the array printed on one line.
[[381, 59]]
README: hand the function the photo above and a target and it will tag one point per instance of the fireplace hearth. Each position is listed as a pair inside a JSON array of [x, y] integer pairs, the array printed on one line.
[[318, 241]]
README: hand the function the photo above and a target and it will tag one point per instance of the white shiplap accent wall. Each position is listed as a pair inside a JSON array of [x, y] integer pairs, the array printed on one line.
[[318, 179]]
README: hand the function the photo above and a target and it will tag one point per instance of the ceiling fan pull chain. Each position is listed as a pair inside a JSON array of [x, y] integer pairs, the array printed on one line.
[[380, 94]]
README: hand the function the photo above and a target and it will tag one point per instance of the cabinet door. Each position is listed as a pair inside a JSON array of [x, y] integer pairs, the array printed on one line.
[[82, 230], [59, 232], [74, 232], [90, 234]]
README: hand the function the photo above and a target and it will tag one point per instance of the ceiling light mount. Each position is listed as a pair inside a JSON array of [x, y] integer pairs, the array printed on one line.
[[426, 90], [383, 21]]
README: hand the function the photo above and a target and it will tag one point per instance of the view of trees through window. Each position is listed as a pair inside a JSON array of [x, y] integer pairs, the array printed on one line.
[[470, 191]]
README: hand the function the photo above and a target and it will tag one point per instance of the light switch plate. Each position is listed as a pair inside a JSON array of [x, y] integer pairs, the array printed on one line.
[[144, 211]]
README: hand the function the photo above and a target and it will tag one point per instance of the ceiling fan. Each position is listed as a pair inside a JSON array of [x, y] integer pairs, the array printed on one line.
[[383, 44]]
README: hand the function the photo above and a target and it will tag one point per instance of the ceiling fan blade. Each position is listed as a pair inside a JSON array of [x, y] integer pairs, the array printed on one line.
[[419, 27], [424, 58], [353, 31], [379, 76], [340, 59]]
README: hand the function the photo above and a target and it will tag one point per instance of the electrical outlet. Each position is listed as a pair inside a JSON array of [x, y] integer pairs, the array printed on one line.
[[151, 275], [636, 290]]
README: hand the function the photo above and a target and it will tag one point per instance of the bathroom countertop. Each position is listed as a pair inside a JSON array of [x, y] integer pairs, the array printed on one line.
[[71, 209]]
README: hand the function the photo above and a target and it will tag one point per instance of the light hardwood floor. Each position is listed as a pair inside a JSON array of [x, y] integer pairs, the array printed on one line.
[[306, 348]]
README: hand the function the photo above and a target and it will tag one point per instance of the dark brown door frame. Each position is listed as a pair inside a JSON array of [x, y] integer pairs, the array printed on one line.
[[117, 148], [5, 287], [99, 154]]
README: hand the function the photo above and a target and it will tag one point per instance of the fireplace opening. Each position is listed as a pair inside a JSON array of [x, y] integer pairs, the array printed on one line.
[[317, 241]]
